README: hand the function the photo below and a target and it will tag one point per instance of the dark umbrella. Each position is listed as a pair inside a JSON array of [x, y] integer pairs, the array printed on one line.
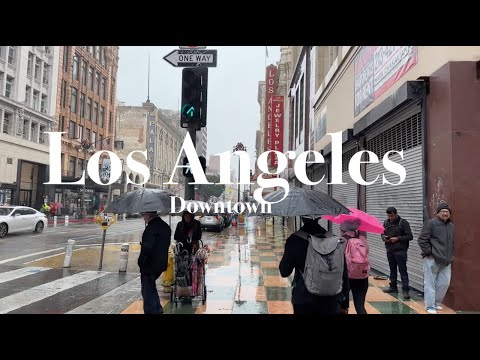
[[142, 200], [303, 202]]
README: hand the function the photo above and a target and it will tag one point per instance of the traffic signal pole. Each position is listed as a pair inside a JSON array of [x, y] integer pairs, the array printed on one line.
[[190, 188]]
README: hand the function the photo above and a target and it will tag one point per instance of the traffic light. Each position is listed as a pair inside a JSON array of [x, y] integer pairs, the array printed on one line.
[[186, 170], [194, 97]]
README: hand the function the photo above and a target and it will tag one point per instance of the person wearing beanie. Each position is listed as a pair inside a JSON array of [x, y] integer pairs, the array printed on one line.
[[355, 243], [397, 236], [436, 243]]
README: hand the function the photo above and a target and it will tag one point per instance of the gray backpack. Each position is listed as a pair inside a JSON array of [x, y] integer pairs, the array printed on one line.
[[324, 264]]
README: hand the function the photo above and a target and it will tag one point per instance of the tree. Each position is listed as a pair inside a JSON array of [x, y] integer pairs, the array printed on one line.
[[206, 191]]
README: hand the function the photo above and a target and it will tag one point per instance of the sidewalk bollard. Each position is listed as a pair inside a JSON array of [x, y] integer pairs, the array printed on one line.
[[68, 254], [55, 221], [124, 257], [66, 220]]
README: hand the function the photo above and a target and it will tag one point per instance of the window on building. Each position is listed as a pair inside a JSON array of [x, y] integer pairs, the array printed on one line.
[[43, 104], [97, 82], [82, 105], [104, 58], [80, 132], [41, 135], [100, 141], [11, 55], [30, 64], [47, 49], [38, 66], [90, 50], [302, 98], [331, 55], [94, 139], [90, 77], [62, 124], [2, 53], [110, 122], [84, 73], [89, 109], [9, 86], [73, 101], [95, 113], [80, 167], [46, 68], [104, 81], [66, 55], [26, 129], [76, 66], [36, 95], [71, 166], [102, 116], [64, 93], [87, 134], [111, 91], [7, 122], [33, 131], [28, 92], [71, 130]]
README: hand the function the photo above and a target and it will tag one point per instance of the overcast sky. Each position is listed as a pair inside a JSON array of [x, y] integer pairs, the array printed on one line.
[[233, 111]]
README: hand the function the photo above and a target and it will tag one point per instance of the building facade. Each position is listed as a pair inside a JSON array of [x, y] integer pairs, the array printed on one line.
[[28, 78], [158, 131], [85, 111], [202, 142], [421, 100]]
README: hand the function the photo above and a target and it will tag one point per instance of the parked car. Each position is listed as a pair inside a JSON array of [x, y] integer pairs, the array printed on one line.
[[212, 221], [21, 218]]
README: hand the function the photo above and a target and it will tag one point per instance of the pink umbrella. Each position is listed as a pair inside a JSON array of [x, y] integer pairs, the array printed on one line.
[[368, 223]]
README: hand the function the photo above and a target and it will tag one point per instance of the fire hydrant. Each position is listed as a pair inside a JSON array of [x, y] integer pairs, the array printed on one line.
[[167, 276]]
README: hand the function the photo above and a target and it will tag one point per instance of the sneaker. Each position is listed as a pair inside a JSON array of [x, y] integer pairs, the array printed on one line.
[[438, 307], [431, 311], [406, 295], [390, 290]]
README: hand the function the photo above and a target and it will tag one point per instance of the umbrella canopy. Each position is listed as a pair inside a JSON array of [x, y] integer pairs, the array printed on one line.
[[142, 200], [368, 223], [303, 202], [199, 205]]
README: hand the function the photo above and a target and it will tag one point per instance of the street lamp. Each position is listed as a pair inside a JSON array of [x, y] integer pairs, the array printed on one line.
[[239, 147]]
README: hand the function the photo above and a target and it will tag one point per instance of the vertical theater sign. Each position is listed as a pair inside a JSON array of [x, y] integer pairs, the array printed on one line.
[[274, 109]]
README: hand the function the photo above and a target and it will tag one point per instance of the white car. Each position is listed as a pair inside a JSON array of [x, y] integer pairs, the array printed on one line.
[[21, 218]]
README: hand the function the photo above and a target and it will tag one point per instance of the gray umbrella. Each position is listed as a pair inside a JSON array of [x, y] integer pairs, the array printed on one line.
[[142, 200], [303, 202]]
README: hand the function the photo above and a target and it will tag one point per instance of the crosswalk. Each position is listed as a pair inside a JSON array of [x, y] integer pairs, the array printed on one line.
[[43, 290]]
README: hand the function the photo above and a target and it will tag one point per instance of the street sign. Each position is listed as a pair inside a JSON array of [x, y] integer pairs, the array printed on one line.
[[192, 58]]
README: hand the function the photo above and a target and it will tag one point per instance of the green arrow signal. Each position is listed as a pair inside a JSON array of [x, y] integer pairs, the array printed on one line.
[[191, 111]]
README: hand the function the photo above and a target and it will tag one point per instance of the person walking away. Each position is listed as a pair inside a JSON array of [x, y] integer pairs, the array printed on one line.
[[153, 259], [436, 243], [397, 235], [358, 264], [298, 253]]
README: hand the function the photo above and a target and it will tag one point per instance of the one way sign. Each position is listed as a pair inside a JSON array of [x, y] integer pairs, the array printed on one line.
[[192, 58]]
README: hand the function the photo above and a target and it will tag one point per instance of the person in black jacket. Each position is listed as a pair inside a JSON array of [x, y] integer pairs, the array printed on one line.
[[188, 232], [153, 260], [294, 258], [397, 235]]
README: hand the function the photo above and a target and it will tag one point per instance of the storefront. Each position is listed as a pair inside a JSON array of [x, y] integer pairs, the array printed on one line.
[[6, 194]]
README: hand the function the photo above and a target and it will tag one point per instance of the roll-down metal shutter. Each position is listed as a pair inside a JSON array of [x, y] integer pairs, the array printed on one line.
[[345, 194], [405, 132], [318, 172]]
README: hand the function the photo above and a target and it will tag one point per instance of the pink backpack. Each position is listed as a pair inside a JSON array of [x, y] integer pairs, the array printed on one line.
[[356, 255]]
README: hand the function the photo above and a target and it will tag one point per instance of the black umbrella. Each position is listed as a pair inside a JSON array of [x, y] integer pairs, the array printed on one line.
[[143, 200], [302, 202]]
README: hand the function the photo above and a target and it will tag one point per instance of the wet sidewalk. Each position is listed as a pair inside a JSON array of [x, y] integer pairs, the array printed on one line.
[[242, 277]]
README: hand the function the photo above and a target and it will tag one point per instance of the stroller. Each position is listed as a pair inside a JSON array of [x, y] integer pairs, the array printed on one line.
[[189, 274]]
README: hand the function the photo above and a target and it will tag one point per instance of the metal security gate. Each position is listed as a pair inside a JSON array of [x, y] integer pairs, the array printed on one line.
[[405, 133], [318, 172], [345, 194]]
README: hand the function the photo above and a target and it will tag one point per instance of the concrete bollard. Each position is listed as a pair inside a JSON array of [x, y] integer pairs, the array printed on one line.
[[68, 254], [66, 220], [55, 221], [124, 257]]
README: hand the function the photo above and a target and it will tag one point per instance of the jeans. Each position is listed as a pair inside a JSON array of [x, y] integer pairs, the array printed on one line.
[[436, 282], [151, 300], [327, 305], [359, 289], [398, 258]]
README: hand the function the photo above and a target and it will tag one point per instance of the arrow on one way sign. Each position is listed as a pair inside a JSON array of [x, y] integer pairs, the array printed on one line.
[[192, 58]]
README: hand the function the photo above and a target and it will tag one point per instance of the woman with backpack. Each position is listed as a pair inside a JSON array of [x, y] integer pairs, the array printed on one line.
[[358, 264]]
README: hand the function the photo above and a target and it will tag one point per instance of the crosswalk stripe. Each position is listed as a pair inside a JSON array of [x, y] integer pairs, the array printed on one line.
[[43, 291], [112, 302], [19, 273]]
